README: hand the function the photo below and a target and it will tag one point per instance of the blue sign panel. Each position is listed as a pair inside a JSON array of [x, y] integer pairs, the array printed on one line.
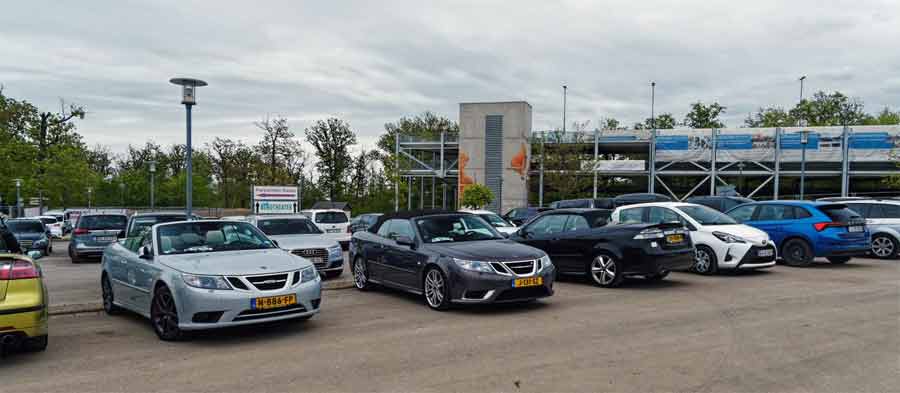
[[871, 140], [792, 141], [734, 142], [672, 142], [617, 138]]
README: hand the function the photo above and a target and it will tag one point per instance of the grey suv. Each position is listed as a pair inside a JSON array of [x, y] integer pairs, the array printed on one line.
[[93, 233]]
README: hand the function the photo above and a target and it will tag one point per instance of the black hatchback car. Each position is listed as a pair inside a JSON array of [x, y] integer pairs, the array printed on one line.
[[579, 242], [449, 257]]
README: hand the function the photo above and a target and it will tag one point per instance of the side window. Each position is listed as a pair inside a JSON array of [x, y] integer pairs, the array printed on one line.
[[576, 223], [385, 229], [727, 204], [631, 216], [772, 213], [549, 224], [800, 212], [891, 211], [742, 214], [660, 215], [401, 228], [863, 209]]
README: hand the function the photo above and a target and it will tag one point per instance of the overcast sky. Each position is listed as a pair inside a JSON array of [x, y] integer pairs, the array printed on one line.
[[371, 62]]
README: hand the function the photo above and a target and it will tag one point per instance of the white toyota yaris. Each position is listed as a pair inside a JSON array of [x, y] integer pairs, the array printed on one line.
[[721, 242]]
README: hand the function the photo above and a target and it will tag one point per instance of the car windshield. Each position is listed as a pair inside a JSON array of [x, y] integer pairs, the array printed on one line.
[[287, 226], [210, 236], [331, 218], [25, 226], [461, 228], [495, 220], [139, 224], [100, 222], [706, 216]]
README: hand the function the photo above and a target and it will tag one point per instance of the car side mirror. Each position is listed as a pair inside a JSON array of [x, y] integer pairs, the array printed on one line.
[[34, 254], [405, 241], [144, 253], [523, 233], [121, 234]]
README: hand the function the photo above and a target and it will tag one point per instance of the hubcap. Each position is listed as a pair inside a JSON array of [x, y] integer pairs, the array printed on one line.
[[166, 318], [882, 247], [703, 261], [603, 269], [434, 288], [359, 271]]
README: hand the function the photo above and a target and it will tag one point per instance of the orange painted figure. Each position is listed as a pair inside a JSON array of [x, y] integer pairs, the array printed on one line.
[[464, 180], [520, 161]]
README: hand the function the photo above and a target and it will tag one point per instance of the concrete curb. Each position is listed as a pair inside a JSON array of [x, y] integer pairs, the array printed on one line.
[[82, 308]]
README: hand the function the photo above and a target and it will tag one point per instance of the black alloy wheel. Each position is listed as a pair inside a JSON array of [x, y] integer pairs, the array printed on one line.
[[109, 305], [164, 315], [797, 252]]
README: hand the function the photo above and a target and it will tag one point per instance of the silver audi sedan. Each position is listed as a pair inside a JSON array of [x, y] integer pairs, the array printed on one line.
[[193, 275]]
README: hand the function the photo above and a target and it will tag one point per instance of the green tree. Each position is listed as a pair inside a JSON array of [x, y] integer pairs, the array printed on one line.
[[332, 139], [275, 147], [833, 109], [770, 117], [705, 116], [883, 118], [476, 196], [663, 122]]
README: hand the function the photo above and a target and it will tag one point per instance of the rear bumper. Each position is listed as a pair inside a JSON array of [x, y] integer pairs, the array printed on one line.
[[832, 248], [638, 262], [31, 321]]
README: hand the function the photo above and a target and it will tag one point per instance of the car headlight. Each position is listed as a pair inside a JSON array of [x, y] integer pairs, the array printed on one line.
[[40, 241], [545, 262], [335, 252], [475, 266], [728, 238], [205, 282], [308, 274], [650, 233]]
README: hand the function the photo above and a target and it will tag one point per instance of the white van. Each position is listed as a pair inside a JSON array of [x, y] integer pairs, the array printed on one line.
[[334, 222]]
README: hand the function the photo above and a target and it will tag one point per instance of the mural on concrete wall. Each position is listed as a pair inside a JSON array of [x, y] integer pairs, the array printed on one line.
[[464, 179], [519, 162]]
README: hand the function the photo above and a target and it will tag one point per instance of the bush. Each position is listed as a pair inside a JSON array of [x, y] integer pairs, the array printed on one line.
[[476, 196]]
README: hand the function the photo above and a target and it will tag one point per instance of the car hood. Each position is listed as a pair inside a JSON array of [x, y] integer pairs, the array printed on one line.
[[245, 262], [487, 250], [507, 230], [293, 242], [740, 230], [28, 235]]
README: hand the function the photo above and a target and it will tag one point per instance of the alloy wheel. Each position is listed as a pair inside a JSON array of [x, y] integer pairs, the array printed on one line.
[[107, 294], [603, 270], [165, 316], [359, 274], [703, 261], [434, 288], [882, 247]]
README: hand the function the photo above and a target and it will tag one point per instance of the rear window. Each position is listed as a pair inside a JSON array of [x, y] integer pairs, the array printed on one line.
[[48, 220], [287, 226], [29, 226], [579, 203], [839, 213], [100, 222], [331, 218], [140, 223]]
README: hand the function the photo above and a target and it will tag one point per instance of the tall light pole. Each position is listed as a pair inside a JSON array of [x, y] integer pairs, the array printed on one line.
[[189, 99], [653, 106], [300, 193], [565, 93], [651, 185], [804, 139], [18, 197], [122, 195], [152, 185], [802, 78], [90, 190]]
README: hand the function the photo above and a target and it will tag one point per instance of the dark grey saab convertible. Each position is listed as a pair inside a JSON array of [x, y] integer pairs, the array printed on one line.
[[448, 257]]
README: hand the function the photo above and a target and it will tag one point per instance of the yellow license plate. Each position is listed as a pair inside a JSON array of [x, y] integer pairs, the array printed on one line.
[[676, 238], [528, 282], [263, 303]]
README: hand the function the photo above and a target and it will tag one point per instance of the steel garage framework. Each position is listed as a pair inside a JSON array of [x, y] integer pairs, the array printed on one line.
[[422, 159]]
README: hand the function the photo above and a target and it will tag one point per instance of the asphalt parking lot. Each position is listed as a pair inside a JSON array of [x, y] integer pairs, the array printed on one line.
[[824, 328]]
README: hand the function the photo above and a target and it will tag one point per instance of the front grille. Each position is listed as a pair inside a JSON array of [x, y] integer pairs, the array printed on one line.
[[752, 255], [270, 282], [522, 293], [26, 243], [237, 283], [311, 253], [475, 295], [521, 268], [271, 312]]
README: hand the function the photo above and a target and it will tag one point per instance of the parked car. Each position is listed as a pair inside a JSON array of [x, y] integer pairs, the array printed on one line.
[[334, 222], [883, 220], [841, 199], [93, 232], [31, 234], [140, 222], [803, 230], [23, 303], [720, 242], [363, 222], [53, 225], [499, 223], [298, 235], [631, 199], [193, 275], [60, 217], [720, 203], [580, 242], [521, 215], [588, 203], [449, 257], [8, 242]]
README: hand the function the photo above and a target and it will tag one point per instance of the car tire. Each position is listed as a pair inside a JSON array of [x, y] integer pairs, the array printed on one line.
[[36, 344], [706, 262], [605, 271], [361, 275], [334, 274], [884, 246], [797, 253], [436, 289], [658, 276], [164, 315], [838, 260], [107, 294], [74, 257]]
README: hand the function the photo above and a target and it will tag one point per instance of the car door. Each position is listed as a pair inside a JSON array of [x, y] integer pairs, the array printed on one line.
[[402, 262], [572, 247], [375, 251], [772, 219], [544, 233], [116, 260], [142, 273]]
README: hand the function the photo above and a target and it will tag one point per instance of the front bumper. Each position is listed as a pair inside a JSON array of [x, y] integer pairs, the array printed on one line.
[[747, 256], [213, 309], [479, 288], [333, 265]]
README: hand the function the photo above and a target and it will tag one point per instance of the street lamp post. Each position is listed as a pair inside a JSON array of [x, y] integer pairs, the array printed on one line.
[[300, 193], [152, 185], [804, 139], [565, 93], [90, 191], [188, 98], [122, 195], [18, 197], [651, 184], [802, 78]]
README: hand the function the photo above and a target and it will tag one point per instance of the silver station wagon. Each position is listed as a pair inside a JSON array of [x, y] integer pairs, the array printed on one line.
[[194, 275]]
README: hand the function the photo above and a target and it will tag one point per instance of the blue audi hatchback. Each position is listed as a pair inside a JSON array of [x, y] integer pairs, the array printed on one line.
[[803, 230]]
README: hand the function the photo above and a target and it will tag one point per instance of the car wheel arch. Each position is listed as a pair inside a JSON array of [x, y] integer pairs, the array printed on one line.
[[432, 264], [809, 242], [606, 248]]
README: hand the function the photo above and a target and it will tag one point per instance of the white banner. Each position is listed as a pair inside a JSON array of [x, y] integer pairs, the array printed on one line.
[[274, 193]]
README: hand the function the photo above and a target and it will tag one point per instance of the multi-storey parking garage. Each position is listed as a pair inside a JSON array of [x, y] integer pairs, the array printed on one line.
[[497, 147]]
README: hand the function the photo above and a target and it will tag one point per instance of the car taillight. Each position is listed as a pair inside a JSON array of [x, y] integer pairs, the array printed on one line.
[[19, 270], [820, 226], [80, 231]]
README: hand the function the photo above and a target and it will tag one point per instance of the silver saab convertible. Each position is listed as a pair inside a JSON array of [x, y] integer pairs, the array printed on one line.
[[194, 275]]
